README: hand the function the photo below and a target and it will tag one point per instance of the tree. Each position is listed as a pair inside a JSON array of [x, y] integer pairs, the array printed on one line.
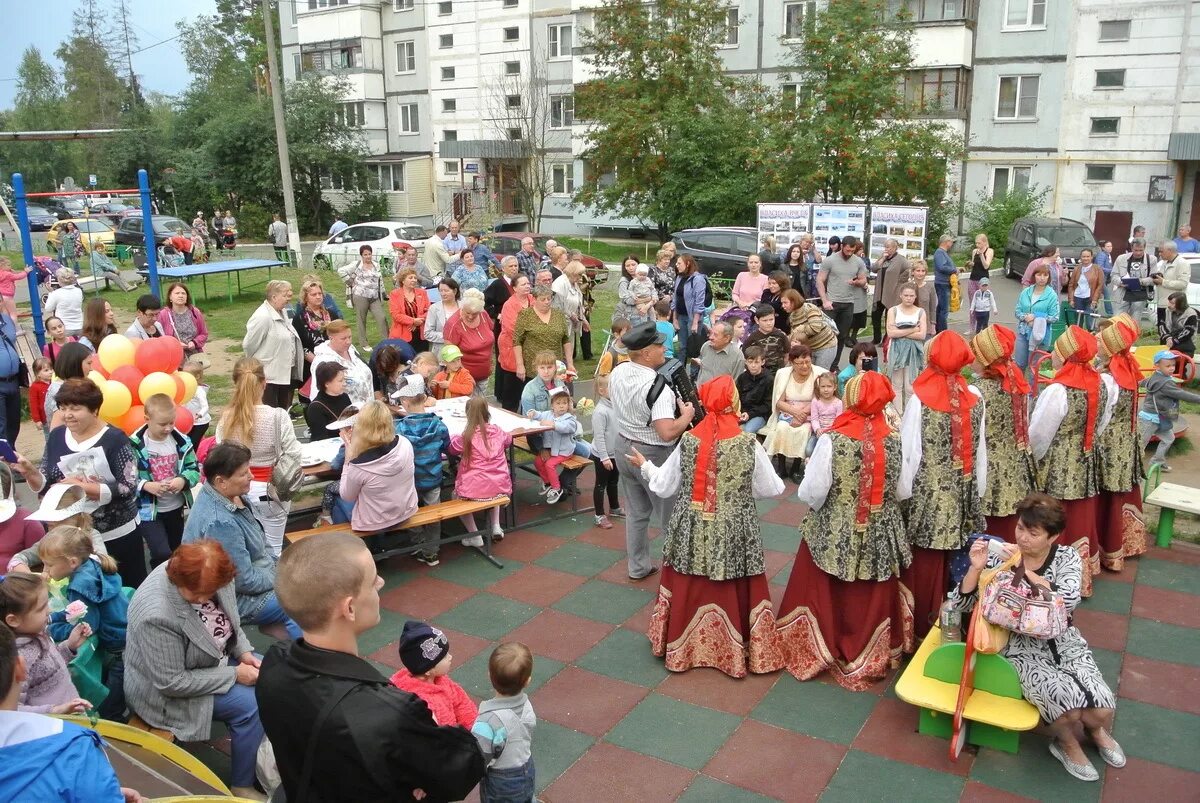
[[530, 117], [127, 43], [94, 92], [38, 107], [995, 215]]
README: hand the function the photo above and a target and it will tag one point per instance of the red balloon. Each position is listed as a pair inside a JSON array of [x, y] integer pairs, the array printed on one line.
[[130, 377], [164, 354], [132, 420], [180, 389], [184, 421], [172, 354], [100, 369]]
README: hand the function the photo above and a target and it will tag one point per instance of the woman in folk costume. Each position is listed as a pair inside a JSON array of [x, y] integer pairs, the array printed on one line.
[[944, 471], [1011, 472], [1121, 530], [844, 608], [1064, 429], [714, 606]]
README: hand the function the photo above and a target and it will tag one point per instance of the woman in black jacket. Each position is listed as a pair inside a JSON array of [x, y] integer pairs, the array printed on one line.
[[328, 402], [1178, 329]]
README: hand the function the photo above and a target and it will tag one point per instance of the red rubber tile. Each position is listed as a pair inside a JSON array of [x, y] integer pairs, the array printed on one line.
[[585, 701], [1128, 573], [561, 636], [607, 772], [712, 688], [976, 792], [775, 762], [425, 597], [1140, 780], [776, 561], [786, 512], [891, 732], [537, 585], [640, 621], [525, 546], [1173, 686], [1179, 552], [1108, 631], [1161, 605]]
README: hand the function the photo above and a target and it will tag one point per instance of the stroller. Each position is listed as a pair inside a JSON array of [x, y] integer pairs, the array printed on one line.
[[169, 256], [229, 239], [740, 314], [46, 269]]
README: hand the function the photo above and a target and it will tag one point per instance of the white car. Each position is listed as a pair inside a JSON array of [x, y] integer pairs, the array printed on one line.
[[1193, 288], [383, 236]]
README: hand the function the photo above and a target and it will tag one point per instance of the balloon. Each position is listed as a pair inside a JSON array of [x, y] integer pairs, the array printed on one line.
[[159, 355], [172, 353], [180, 388], [117, 399], [115, 351], [132, 420], [130, 377], [157, 382], [184, 420], [189, 386], [97, 378], [98, 368]]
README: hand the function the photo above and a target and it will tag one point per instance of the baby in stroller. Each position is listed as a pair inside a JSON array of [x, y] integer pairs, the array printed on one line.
[[169, 256]]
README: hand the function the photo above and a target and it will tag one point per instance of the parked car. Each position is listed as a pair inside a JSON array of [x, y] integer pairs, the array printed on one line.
[[114, 211], [1193, 288], [721, 251], [504, 243], [382, 236], [40, 218], [90, 231], [1029, 236], [66, 207], [130, 231]]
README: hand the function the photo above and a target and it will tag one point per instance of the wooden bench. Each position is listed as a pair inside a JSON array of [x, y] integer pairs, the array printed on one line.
[[575, 462], [996, 709], [430, 514], [1170, 497], [140, 724]]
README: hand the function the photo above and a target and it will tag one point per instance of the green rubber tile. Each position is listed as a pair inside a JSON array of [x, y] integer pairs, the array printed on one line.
[[556, 748], [567, 526], [865, 777], [1163, 642], [625, 655], [470, 569], [780, 537], [1033, 772], [473, 675], [1109, 662], [259, 640], [1158, 734], [824, 710], [1111, 596], [604, 602], [1169, 575], [382, 634], [674, 731], [580, 558], [487, 616], [708, 790]]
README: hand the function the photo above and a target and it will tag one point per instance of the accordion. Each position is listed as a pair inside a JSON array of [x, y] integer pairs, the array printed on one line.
[[674, 374]]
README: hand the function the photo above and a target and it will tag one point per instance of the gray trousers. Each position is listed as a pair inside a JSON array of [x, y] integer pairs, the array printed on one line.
[[640, 503], [430, 533], [374, 306], [1166, 436]]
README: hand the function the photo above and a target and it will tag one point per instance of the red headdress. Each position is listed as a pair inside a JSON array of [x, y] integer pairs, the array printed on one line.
[[941, 387], [865, 397]]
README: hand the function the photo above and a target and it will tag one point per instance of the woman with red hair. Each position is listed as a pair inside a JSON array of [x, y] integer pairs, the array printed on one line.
[[944, 471], [844, 609], [714, 607], [1064, 430], [1011, 472]]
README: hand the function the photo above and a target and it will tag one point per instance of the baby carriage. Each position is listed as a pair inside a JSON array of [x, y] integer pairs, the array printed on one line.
[[734, 314], [169, 256], [46, 269]]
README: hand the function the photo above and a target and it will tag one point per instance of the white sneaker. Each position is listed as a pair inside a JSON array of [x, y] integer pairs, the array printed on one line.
[[475, 540], [544, 489], [619, 512], [553, 495], [497, 534]]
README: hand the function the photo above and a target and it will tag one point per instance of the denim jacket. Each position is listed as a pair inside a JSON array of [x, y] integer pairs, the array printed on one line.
[[536, 396], [214, 516]]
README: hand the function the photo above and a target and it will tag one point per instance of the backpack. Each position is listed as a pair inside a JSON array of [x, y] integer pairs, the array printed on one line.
[[708, 296]]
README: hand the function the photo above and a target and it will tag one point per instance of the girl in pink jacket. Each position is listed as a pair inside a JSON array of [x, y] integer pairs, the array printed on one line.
[[483, 473], [8, 286]]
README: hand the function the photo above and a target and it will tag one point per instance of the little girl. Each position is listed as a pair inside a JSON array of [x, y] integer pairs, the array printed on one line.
[[25, 608], [8, 287], [616, 353], [604, 447], [43, 373], [483, 472], [56, 338], [825, 407], [425, 654], [198, 404], [66, 552], [561, 443], [63, 505]]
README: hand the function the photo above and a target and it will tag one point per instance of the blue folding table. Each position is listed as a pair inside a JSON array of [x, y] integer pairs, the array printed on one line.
[[229, 267]]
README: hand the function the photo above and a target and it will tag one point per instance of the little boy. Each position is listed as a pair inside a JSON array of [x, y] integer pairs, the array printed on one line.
[[145, 323], [616, 353], [644, 294], [559, 445], [504, 725], [425, 653], [1160, 407], [535, 396], [167, 472], [663, 325], [430, 440], [983, 304], [772, 341], [453, 381], [754, 391]]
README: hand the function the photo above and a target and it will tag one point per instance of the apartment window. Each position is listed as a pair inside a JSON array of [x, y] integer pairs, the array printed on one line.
[[561, 37], [939, 90], [349, 55], [446, 40], [512, 34], [928, 10], [1010, 177], [510, 3], [296, 67], [351, 114], [409, 123], [512, 68], [449, 135], [795, 95], [313, 5], [389, 178], [795, 16], [1017, 98], [445, 9], [447, 73], [1024, 15], [562, 179], [1101, 173], [1110, 79], [1114, 30], [514, 134], [340, 55], [731, 27], [1104, 126], [406, 56], [449, 105], [403, 5], [512, 101], [450, 167], [562, 111]]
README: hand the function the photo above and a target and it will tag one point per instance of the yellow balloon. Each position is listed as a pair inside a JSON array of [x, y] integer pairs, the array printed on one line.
[[157, 382], [117, 399], [115, 351], [97, 378], [189, 385]]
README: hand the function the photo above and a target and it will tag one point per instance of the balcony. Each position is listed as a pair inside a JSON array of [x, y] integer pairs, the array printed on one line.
[[933, 12]]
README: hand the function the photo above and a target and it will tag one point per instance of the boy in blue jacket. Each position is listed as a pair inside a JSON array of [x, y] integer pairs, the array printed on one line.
[[167, 473], [430, 440]]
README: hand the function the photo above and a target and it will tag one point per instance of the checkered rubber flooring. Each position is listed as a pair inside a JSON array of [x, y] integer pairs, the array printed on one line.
[[614, 725]]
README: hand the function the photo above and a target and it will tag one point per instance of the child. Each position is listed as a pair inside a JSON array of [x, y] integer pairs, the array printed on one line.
[[559, 445], [983, 304], [196, 365], [66, 552], [43, 372], [62, 504], [536, 396], [773, 342], [425, 653], [504, 725], [56, 338], [430, 440], [25, 609], [145, 323], [344, 427], [453, 381], [643, 292], [754, 391], [739, 330], [604, 448], [425, 365], [8, 287], [863, 357], [616, 353], [167, 473], [483, 471], [1160, 407], [663, 325], [825, 407]]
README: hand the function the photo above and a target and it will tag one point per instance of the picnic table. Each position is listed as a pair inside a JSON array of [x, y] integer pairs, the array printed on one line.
[[230, 267]]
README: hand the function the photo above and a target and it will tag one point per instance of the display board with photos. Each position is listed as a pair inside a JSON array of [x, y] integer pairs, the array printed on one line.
[[840, 220], [786, 222], [904, 224]]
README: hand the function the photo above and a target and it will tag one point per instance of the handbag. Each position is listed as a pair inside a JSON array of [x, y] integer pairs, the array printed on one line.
[[986, 637], [288, 475], [1015, 603]]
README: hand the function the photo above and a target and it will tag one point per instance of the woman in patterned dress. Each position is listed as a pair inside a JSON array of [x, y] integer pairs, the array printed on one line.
[[714, 607], [844, 608], [1064, 428], [944, 471], [1011, 472], [1121, 528], [1058, 675]]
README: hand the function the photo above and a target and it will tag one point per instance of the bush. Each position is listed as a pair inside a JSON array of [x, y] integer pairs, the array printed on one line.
[[995, 216], [366, 206]]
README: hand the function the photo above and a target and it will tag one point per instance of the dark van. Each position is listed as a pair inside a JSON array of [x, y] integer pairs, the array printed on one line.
[[1029, 236]]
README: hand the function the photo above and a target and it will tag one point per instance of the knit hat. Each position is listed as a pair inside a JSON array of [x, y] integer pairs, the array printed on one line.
[[449, 354], [422, 647]]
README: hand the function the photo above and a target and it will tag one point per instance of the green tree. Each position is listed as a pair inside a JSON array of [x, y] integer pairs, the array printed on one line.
[[38, 107], [94, 92], [994, 216]]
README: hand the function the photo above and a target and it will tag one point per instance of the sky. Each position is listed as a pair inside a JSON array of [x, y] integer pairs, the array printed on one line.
[[161, 69]]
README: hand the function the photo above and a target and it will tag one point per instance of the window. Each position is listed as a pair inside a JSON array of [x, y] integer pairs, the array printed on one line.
[[512, 34], [447, 73], [1009, 178], [1103, 126], [1099, 172], [408, 119], [512, 101], [389, 178], [795, 95], [1110, 79], [939, 90], [323, 56], [313, 5], [445, 9], [514, 134], [406, 56], [1018, 96], [349, 55], [562, 111], [510, 3], [449, 105], [795, 15], [731, 27], [350, 114], [403, 5], [446, 40], [928, 10], [1025, 15], [1114, 30], [450, 167], [296, 67], [560, 41], [562, 179], [450, 135], [512, 68]]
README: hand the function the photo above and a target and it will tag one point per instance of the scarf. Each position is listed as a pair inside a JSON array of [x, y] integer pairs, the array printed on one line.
[[993, 348], [720, 422], [941, 387], [867, 394], [1076, 347]]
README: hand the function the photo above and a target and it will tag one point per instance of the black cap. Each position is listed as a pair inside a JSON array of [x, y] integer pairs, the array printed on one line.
[[422, 647], [642, 335]]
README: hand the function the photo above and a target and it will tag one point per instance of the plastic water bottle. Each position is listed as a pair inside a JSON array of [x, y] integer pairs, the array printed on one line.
[[950, 621]]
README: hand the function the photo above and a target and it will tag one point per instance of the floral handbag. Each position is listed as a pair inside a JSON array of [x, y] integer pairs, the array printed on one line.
[[1014, 603]]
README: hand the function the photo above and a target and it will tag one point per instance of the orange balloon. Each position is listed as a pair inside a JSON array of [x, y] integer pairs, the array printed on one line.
[[180, 388], [132, 420], [184, 421]]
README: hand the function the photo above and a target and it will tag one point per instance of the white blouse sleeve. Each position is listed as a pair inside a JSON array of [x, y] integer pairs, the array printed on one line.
[[981, 462], [1048, 413], [818, 474], [910, 447], [766, 481], [1102, 420], [664, 479]]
